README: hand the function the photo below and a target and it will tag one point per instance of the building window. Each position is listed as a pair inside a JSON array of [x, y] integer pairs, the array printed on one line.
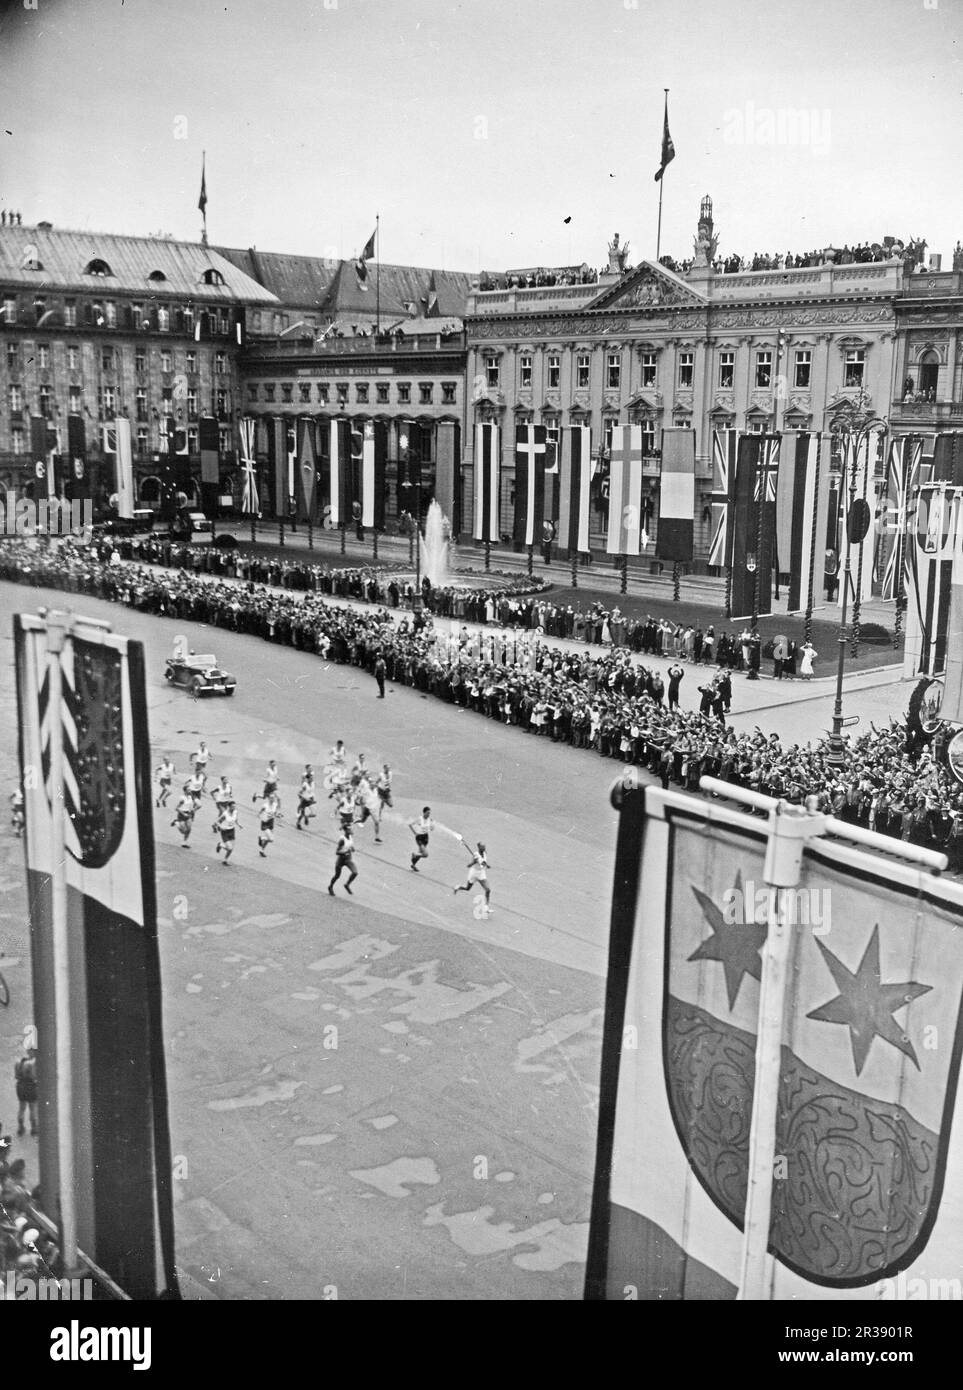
[[854, 363], [43, 355], [39, 310], [13, 356], [167, 361], [16, 439], [757, 426], [304, 391], [76, 400], [803, 368], [70, 313], [582, 370], [108, 402], [609, 423], [192, 445], [163, 318], [137, 316], [491, 371], [361, 393], [224, 441], [448, 390], [45, 401], [764, 368], [142, 444], [682, 422], [73, 358], [220, 363], [554, 372], [525, 372], [192, 361], [382, 392], [404, 392], [189, 319], [649, 363], [727, 370], [613, 371], [648, 436], [221, 405], [110, 314], [167, 400], [140, 402], [223, 325], [107, 359], [324, 393], [287, 390], [9, 309], [16, 399], [252, 390], [140, 360], [425, 392], [685, 369], [269, 391]]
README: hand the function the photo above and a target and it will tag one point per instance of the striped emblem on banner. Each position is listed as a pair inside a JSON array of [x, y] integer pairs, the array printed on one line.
[[487, 482], [802, 500], [625, 492], [677, 495], [931, 578], [574, 488], [341, 473], [530, 450], [724, 443]]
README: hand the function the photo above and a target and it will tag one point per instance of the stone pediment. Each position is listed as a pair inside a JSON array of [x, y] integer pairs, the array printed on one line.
[[649, 285]]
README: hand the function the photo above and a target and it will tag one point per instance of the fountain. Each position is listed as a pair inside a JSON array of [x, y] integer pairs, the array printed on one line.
[[433, 546]]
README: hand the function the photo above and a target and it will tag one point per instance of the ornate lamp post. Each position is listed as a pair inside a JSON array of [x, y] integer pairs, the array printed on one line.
[[853, 427]]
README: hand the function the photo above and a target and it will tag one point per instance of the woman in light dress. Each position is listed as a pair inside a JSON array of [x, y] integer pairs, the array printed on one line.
[[808, 656]]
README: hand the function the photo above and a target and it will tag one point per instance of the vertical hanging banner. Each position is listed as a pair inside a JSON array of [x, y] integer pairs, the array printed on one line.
[[250, 502], [209, 441], [802, 501], [724, 445], [574, 492], [448, 472], [625, 492], [278, 464], [754, 539], [341, 495], [103, 1012], [677, 495], [41, 446], [487, 490], [530, 445], [932, 545], [861, 559], [374, 455], [307, 468], [948, 458], [858, 1159], [901, 481], [124, 468], [77, 479]]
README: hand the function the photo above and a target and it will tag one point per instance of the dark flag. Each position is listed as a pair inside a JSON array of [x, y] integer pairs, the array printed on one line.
[[307, 468], [948, 458], [277, 452], [361, 264], [677, 495], [575, 480], [753, 546], [530, 445], [448, 472], [77, 479], [41, 447], [89, 843], [209, 440], [341, 494], [668, 149], [202, 200], [487, 483], [802, 502]]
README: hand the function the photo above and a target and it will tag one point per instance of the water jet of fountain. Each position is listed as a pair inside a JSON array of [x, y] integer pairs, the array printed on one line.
[[434, 546]]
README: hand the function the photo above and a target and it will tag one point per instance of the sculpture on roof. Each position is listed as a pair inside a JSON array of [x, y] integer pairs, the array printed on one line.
[[618, 256]]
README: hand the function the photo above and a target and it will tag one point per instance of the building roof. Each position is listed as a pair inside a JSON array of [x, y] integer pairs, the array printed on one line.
[[137, 265], [298, 281]]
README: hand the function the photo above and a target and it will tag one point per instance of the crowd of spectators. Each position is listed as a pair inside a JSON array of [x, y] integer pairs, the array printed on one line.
[[534, 279], [609, 704]]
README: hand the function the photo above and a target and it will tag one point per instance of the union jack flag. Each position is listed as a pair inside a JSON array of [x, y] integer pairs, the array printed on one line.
[[903, 476], [724, 445], [249, 499], [768, 468]]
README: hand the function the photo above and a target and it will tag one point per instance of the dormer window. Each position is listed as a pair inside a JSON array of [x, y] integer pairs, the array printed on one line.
[[212, 277], [97, 267], [30, 260], [157, 276]]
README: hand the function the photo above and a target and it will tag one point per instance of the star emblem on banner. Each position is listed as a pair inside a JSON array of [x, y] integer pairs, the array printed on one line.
[[865, 1005], [735, 944]]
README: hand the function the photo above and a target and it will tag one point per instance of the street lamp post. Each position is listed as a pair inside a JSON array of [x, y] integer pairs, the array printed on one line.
[[854, 426]]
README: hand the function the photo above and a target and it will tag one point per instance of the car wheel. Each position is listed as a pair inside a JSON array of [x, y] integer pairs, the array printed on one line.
[[230, 690], [169, 674], [196, 686]]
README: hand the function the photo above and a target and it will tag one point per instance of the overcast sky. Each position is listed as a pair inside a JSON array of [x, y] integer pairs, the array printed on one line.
[[477, 128]]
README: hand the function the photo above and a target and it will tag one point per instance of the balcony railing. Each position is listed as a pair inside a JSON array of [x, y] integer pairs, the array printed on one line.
[[927, 410], [270, 345]]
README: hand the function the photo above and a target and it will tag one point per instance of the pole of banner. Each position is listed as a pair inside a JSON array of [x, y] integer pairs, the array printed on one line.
[[531, 559], [374, 544], [310, 532], [58, 627], [658, 234], [676, 581], [624, 580], [488, 556], [378, 274], [574, 569], [341, 528], [761, 475]]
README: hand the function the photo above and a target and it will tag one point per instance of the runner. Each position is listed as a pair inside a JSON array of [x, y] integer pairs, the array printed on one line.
[[344, 859], [270, 782], [270, 810], [227, 825], [360, 770], [184, 816], [345, 808], [366, 797], [16, 811], [194, 786], [201, 757], [307, 799], [165, 775], [478, 867], [421, 829], [221, 795]]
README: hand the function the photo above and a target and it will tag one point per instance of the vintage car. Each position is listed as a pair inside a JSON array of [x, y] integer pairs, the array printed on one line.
[[201, 675]]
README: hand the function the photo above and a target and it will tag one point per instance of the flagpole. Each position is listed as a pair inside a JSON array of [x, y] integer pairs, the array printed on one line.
[[658, 234], [204, 189], [378, 274]]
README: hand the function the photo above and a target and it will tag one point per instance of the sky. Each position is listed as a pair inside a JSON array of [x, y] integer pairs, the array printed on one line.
[[487, 133]]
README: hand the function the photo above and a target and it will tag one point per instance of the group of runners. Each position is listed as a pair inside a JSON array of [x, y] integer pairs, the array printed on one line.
[[359, 795]]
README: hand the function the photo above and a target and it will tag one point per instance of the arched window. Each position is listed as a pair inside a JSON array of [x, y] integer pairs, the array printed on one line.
[[212, 277], [97, 267], [157, 275], [929, 374]]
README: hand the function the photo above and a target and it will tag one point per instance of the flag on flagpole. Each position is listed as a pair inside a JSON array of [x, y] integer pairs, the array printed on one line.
[[574, 488], [530, 447], [487, 482], [361, 264], [625, 492], [677, 495], [724, 444], [202, 200], [668, 149]]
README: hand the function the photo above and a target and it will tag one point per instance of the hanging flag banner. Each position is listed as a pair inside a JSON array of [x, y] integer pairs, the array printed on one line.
[[802, 501], [374, 454], [487, 477], [575, 488], [932, 545], [210, 450], [307, 468], [448, 472], [776, 1120], [863, 554], [341, 480], [677, 495], [124, 467], [529, 483], [277, 464], [724, 444], [250, 503], [901, 482], [754, 536], [77, 480], [84, 710], [625, 492]]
